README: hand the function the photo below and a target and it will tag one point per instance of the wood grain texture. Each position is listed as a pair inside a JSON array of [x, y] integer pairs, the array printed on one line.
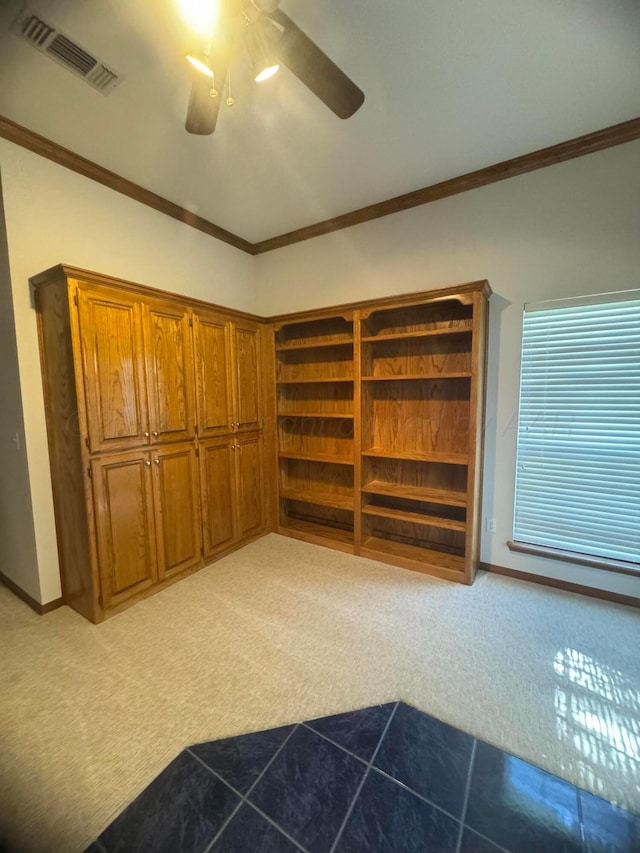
[[123, 497], [250, 496], [170, 366], [66, 432], [607, 138], [247, 353], [213, 374], [110, 324], [177, 508], [120, 380], [218, 489], [64, 157]]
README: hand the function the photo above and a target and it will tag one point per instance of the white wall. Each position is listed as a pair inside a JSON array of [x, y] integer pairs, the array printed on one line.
[[56, 216], [567, 230]]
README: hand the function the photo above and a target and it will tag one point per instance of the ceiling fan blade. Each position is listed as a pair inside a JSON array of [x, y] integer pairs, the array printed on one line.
[[312, 66]]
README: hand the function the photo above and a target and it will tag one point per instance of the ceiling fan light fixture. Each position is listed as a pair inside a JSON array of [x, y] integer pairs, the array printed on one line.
[[263, 57], [201, 63], [267, 72]]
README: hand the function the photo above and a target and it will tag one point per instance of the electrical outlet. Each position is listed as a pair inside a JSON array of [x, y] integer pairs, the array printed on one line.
[[490, 525]]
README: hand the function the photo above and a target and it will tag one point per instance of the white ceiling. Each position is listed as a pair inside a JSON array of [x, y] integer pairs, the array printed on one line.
[[451, 86]]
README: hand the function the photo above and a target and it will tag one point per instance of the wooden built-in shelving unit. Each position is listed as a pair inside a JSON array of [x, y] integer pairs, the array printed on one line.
[[314, 374], [379, 411]]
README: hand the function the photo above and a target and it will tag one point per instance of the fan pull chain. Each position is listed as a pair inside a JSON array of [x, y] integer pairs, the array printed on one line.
[[230, 99]]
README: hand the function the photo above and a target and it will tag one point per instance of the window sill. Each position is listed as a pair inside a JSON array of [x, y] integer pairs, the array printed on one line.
[[604, 563]]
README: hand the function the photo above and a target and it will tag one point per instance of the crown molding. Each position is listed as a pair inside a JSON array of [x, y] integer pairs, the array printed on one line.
[[64, 157], [609, 137], [616, 135]]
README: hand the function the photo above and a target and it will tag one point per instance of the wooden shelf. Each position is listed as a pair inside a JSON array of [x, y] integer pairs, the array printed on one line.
[[427, 333], [321, 415], [414, 517], [313, 528], [347, 342], [320, 498], [316, 457], [416, 493], [451, 562], [424, 376], [419, 456], [333, 379]]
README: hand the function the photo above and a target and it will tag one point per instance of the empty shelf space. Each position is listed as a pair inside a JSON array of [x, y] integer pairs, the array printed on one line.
[[314, 381], [416, 493], [315, 528], [347, 342], [402, 376], [444, 560], [437, 316], [419, 456], [316, 457], [317, 332], [318, 415], [415, 517], [320, 498], [427, 333]]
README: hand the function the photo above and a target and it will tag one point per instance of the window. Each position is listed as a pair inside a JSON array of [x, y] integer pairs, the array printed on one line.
[[578, 457]]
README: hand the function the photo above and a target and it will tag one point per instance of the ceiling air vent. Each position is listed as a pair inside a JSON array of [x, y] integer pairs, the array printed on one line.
[[64, 50]]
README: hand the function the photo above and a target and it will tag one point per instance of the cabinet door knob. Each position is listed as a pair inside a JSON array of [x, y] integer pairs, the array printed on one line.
[[238, 424], [146, 434], [157, 461], [155, 433], [148, 463]]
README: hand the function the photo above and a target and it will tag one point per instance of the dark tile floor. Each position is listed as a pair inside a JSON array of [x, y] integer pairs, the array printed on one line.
[[387, 778]]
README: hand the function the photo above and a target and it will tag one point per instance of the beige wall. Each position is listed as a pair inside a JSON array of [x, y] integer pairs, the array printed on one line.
[[567, 230], [53, 216], [563, 231]]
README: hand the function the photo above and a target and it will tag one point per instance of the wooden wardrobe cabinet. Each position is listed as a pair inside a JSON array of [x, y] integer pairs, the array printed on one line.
[[229, 374], [138, 369], [136, 383], [233, 493]]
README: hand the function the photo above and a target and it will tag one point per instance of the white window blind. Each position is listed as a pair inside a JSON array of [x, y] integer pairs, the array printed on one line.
[[578, 458]]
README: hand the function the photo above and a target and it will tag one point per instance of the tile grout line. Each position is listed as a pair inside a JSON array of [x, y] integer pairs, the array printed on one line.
[[276, 826], [495, 844], [334, 743], [243, 797], [467, 790], [385, 774], [415, 794], [363, 780]]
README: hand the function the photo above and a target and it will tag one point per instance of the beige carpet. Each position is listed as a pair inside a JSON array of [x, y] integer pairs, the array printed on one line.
[[283, 631]]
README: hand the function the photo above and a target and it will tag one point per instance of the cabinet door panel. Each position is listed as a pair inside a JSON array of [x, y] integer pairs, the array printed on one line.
[[175, 473], [213, 365], [169, 373], [217, 478], [250, 487], [248, 390], [122, 490], [111, 339]]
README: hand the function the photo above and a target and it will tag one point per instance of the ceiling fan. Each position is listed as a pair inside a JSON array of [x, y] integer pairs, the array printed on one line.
[[271, 38]]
